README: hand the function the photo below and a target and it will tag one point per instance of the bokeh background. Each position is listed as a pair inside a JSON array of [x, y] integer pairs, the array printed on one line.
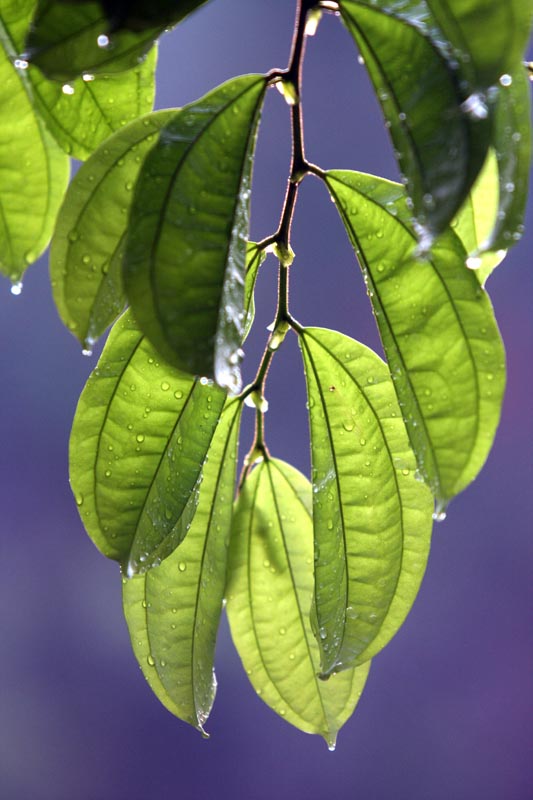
[[447, 711]]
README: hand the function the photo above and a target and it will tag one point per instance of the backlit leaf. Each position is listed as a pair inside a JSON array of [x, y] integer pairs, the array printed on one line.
[[184, 267], [440, 140], [254, 258], [512, 143], [88, 243], [270, 595], [84, 113], [488, 36], [138, 442], [476, 219], [438, 331], [34, 172], [173, 611], [137, 15], [371, 513]]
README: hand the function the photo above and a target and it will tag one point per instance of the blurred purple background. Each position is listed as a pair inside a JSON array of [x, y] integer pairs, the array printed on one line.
[[447, 711]]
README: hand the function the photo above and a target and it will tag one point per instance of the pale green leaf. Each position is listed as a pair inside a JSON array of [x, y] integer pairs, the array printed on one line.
[[34, 171], [88, 243], [82, 114], [270, 596], [173, 611], [438, 331], [372, 515], [184, 266], [137, 447]]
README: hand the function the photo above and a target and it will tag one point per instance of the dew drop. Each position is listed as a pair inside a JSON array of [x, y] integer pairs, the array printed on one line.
[[87, 77], [182, 566], [140, 438], [506, 80], [16, 288], [282, 631], [151, 661], [67, 88], [103, 41], [165, 386], [20, 63], [475, 106]]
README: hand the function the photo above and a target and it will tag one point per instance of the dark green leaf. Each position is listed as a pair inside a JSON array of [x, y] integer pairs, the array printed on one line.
[[138, 443], [137, 15], [68, 40], [270, 594], [34, 171], [441, 141], [184, 267], [437, 328], [254, 258], [512, 142], [81, 115], [173, 611], [88, 244], [371, 513], [488, 36]]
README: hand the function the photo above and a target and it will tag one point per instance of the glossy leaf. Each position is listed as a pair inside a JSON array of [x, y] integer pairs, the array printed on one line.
[[68, 40], [438, 331], [137, 15], [88, 243], [173, 611], [512, 143], [138, 442], [81, 115], [254, 258], [440, 141], [371, 513], [489, 36], [270, 595], [34, 171], [476, 219], [184, 266]]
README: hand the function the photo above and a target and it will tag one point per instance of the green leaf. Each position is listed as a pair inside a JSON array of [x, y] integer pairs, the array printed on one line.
[[83, 114], [173, 611], [88, 243], [138, 443], [438, 331], [476, 219], [371, 513], [184, 267], [440, 141], [512, 142], [489, 36], [269, 597], [64, 41], [137, 15], [34, 170], [254, 258]]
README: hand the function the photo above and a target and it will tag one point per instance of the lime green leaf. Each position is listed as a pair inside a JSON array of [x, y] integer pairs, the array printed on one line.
[[488, 36], [138, 443], [475, 221], [34, 170], [84, 113], [88, 243], [184, 266], [371, 513], [440, 141], [269, 597], [173, 611], [254, 258], [438, 331], [512, 142]]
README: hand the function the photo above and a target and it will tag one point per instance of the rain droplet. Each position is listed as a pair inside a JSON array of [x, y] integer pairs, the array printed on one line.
[[151, 661], [67, 88], [475, 106], [140, 438], [87, 77], [473, 262], [165, 386], [506, 80], [20, 63], [182, 566], [16, 288], [103, 40]]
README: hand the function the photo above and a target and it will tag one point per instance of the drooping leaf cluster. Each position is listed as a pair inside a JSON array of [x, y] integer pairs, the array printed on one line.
[[152, 237]]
